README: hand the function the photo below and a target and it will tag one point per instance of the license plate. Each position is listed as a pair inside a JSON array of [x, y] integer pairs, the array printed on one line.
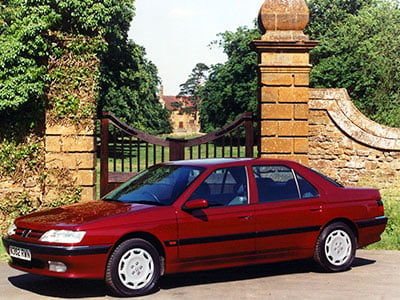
[[20, 253]]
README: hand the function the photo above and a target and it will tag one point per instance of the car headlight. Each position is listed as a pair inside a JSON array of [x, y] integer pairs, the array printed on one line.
[[63, 236], [11, 229]]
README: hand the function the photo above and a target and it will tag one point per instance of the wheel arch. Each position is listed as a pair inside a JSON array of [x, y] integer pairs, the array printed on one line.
[[348, 222], [148, 237]]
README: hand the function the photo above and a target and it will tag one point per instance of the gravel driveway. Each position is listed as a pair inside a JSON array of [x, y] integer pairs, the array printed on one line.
[[375, 275]]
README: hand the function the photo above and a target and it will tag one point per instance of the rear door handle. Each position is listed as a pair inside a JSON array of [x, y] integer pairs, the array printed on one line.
[[245, 217], [319, 208]]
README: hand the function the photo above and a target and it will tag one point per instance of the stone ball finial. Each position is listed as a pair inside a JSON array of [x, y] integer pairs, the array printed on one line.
[[283, 15]]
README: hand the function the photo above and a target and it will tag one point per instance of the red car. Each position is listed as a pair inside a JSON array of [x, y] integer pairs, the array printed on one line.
[[196, 215]]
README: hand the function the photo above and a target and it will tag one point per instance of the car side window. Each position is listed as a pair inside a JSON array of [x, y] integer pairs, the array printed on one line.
[[224, 187], [307, 190], [275, 183], [281, 183]]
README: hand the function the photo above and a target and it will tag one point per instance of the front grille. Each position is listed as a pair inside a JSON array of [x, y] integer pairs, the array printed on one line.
[[29, 233]]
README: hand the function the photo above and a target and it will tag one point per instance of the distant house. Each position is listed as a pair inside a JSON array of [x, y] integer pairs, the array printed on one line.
[[184, 114]]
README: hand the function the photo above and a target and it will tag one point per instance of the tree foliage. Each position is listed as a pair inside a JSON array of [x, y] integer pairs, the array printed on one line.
[[327, 15], [190, 89], [129, 88], [231, 88], [27, 30], [128, 81], [196, 79], [358, 50], [360, 53], [23, 53], [25, 44]]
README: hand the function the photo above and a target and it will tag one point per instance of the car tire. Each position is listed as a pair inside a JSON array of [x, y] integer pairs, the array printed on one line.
[[133, 269], [335, 248]]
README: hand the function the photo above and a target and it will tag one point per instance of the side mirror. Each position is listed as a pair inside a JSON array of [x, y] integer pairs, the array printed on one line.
[[195, 204]]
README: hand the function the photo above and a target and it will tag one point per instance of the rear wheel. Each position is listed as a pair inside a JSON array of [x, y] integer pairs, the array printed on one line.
[[133, 268], [336, 247]]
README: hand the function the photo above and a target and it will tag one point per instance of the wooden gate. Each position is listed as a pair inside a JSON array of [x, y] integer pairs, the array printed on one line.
[[125, 151]]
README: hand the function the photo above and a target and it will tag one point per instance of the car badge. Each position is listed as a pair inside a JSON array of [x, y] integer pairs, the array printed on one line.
[[26, 233]]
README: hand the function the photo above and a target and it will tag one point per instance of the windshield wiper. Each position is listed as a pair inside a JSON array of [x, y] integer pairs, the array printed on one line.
[[149, 202], [110, 199]]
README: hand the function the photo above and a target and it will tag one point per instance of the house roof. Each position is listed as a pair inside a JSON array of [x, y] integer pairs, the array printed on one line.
[[168, 100]]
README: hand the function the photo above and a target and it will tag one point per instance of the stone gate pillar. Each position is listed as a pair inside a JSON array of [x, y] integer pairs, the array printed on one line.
[[284, 71], [70, 133]]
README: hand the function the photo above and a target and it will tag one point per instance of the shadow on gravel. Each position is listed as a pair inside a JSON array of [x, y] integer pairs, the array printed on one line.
[[74, 288], [246, 273], [359, 262], [60, 288]]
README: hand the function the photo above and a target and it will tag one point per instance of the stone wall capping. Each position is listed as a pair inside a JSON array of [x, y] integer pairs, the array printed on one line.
[[60, 129], [350, 120], [347, 146]]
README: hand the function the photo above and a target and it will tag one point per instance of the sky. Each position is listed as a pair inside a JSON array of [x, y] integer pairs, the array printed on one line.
[[177, 33]]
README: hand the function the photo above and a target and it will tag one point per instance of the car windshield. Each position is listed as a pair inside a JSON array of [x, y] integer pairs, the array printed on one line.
[[159, 185]]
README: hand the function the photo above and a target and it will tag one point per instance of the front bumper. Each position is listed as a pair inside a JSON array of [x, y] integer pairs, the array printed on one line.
[[81, 261]]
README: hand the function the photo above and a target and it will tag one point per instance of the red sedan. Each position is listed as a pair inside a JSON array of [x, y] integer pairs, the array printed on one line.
[[196, 215]]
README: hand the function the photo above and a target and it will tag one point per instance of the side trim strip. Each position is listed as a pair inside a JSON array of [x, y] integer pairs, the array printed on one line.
[[241, 236], [372, 222], [58, 250], [288, 231], [216, 239]]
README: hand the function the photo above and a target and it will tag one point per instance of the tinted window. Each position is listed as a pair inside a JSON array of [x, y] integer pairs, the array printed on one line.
[[280, 183], [306, 188], [275, 183], [224, 187]]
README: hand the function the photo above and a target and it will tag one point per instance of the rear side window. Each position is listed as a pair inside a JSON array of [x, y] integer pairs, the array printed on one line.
[[281, 183], [307, 190]]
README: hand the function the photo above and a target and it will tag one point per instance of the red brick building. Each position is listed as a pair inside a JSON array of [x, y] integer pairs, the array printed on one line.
[[184, 114]]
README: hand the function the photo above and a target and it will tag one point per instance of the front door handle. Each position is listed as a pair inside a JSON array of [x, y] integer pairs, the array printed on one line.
[[245, 217], [319, 208]]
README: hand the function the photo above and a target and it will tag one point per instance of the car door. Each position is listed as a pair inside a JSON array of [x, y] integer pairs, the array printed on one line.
[[226, 228], [288, 214]]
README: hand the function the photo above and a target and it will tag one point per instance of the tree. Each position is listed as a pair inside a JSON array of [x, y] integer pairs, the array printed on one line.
[[23, 54], [27, 32], [27, 29], [196, 79], [361, 55], [128, 81], [190, 89], [231, 88], [327, 15], [129, 88]]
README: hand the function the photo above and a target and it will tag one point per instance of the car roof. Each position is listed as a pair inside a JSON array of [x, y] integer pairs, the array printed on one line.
[[211, 162]]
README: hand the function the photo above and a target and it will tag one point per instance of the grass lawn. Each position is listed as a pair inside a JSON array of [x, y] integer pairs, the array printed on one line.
[[391, 236], [135, 159], [391, 199], [3, 254]]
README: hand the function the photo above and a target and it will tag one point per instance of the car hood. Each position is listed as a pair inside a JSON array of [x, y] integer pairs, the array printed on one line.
[[79, 213]]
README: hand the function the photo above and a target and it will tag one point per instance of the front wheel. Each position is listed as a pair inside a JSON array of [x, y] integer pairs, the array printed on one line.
[[336, 247], [133, 269]]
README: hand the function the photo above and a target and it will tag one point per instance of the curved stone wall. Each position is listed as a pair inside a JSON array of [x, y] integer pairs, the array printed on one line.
[[346, 145]]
